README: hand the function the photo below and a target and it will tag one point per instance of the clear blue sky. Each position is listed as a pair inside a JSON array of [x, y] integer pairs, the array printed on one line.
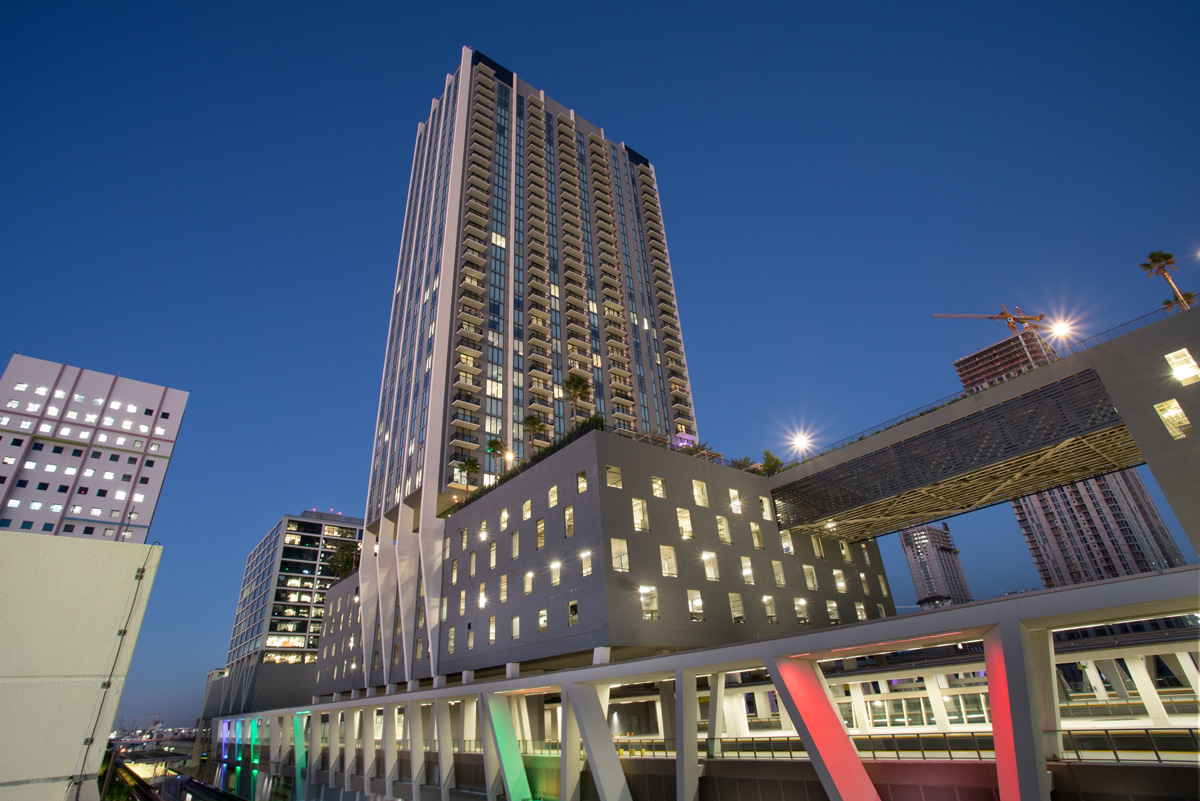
[[210, 196]]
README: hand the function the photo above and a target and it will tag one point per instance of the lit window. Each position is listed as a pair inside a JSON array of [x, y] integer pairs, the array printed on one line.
[[735, 502], [21, 386], [649, 598], [72, 415], [527, 510], [131, 409], [552, 496], [860, 610], [883, 587], [492, 555], [735, 607], [1177, 423], [777, 569], [453, 572], [769, 608], [801, 610], [620, 556], [462, 602], [818, 545], [695, 606], [45, 428], [41, 391], [50, 468], [866, 555], [839, 580], [516, 627], [153, 447], [765, 504], [699, 493], [613, 476], [711, 571], [76, 510], [122, 495], [115, 405], [810, 577], [482, 595], [445, 547], [785, 539], [450, 641], [138, 497], [516, 545], [585, 561], [88, 472], [108, 476], [569, 520], [723, 531], [543, 620], [1183, 366], [503, 587], [13, 503], [529, 582], [581, 481], [641, 518], [10, 460], [866, 585], [658, 487], [95, 512], [666, 555], [89, 418], [756, 536], [685, 523], [31, 465], [52, 411], [12, 404], [831, 608], [472, 567], [127, 425], [541, 533], [492, 630], [747, 570]]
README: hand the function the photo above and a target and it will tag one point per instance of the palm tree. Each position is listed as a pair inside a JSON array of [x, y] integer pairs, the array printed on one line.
[[534, 424], [1183, 302], [742, 463], [580, 389], [344, 560], [470, 466], [699, 447], [1161, 263], [495, 446]]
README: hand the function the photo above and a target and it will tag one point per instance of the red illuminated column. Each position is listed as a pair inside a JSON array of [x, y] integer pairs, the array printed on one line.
[[801, 687], [1015, 698]]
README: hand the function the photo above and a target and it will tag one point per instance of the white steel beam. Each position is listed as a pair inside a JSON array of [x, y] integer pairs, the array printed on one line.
[[1015, 701]]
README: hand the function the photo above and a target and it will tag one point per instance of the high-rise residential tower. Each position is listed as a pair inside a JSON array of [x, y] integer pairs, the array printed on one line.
[[533, 286], [1087, 530], [937, 572]]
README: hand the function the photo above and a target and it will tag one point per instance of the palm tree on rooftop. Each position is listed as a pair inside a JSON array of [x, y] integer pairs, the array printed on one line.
[[1181, 302], [1160, 263], [534, 424], [579, 389], [470, 466]]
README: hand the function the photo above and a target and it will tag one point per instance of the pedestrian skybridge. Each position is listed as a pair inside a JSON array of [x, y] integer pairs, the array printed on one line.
[[1091, 412]]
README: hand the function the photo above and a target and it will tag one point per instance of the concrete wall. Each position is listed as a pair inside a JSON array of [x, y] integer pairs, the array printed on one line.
[[65, 601]]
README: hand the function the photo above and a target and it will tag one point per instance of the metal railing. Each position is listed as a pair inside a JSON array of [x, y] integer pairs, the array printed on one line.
[[1132, 745]]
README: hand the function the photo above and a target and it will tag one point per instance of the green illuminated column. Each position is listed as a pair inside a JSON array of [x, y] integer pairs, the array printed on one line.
[[299, 738], [498, 728]]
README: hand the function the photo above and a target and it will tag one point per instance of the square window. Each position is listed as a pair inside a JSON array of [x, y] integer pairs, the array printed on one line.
[[68, 528], [658, 487], [143, 480], [42, 485], [613, 476], [27, 524], [47, 527]]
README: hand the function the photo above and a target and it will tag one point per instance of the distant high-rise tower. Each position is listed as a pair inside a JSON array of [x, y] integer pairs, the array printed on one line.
[[1088, 530], [936, 570], [533, 285]]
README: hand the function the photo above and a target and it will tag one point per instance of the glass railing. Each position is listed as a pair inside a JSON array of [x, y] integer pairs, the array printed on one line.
[[1131, 745]]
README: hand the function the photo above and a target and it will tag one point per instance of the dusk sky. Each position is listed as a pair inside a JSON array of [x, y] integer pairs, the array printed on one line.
[[210, 196]]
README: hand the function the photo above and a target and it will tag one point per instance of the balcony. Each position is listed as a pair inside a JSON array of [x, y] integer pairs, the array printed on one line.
[[470, 284], [473, 256], [470, 299], [539, 324], [541, 387], [620, 413], [580, 369], [470, 331], [470, 266], [466, 383], [461, 439], [466, 421], [465, 347], [465, 401], [469, 315], [578, 315], [540, 404], [622, 398], [468, 364], [538, 355]]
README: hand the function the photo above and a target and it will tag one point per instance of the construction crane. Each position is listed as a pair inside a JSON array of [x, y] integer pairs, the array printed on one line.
[[1030, 321]]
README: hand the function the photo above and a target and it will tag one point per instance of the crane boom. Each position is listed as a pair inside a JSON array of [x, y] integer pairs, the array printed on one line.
[[1029, 321]]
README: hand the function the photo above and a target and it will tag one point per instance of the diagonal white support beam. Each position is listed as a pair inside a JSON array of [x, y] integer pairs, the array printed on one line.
[[716, 713], [597, 741], [445, 748], [1015, 700], [498, 727], [572, 763], [687, 708], [801, 687], [414, 730]]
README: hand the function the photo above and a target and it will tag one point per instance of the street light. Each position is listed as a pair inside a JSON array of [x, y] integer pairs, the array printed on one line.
[[801, 442]]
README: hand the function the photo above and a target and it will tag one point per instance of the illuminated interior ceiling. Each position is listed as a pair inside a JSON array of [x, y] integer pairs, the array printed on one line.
[[1054, 435]]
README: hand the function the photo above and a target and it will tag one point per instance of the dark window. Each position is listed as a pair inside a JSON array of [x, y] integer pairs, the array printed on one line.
[[112, 457], [16, 441], [68, 528], [143, 480], [56, 449], [126, 477], [165, 415], [131, 460], [5, 522], [148, 412], [47, 527], [76, 452], [62, 487], [27, 524], [95, 454], [22, 483], [42, 485], [37, 446], [149, 463], [101, 493], [88, 529], [83, 490]]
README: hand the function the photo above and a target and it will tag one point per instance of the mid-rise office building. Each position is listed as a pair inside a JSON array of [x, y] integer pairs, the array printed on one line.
[[1087, 530], [937, 572], [277, 626], [83, 456], [533, 289]]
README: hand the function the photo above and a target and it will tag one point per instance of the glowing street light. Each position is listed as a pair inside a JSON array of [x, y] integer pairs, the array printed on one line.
[[801, 442]]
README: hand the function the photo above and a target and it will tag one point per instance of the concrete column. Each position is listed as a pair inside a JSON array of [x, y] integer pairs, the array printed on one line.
[[1045, 672], [414, 725], [391, 763], [736, 722], [301, 741], [801, 686], [445, 748], [493, 781], [862, 715], [572, 763], [716, 713], [1146, 689], [1181, 664], [933, 687], [666, 709], [536, 705], [519, 712], [470, 720], [499, 732], [1116, 677], [314, 748], [368, 745], [275, 751], [1015, 700], [687, 707], [1094, 679], [589, 703]]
